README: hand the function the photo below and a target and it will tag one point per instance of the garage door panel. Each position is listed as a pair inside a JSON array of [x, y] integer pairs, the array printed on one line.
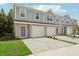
[[37, 31]]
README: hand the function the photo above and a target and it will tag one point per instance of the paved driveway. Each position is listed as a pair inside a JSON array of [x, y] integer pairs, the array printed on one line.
[[37, 45], [67, 51]]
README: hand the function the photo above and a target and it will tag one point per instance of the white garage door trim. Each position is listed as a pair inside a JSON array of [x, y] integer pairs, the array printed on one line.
[[37, 31]]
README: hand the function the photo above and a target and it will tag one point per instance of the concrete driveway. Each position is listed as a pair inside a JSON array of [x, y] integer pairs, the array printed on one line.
[[67, 51], [37, 45]]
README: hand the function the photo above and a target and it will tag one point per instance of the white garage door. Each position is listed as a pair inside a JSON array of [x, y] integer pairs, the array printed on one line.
[[51, 31], [37, 31], [69, 30]]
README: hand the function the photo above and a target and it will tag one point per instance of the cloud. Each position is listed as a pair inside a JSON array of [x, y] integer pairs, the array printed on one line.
[[74, 9], [2, 2], [54, 8]]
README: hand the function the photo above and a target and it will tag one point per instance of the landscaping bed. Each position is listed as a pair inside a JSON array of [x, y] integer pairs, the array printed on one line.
[[66, 41], [62, 40]]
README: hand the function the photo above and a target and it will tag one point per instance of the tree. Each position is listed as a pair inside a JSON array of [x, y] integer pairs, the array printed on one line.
[[75, 29], [6, 24], [10, 24], [3, 21]]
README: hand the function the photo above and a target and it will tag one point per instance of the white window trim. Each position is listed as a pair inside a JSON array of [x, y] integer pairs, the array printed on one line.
[[35, 15], [24, 13]]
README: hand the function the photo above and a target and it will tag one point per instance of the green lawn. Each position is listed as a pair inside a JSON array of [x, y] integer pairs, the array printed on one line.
[[13, 48]]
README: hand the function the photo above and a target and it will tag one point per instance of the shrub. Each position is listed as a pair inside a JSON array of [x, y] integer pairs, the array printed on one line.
[[10, 35], [18, 39], [7, 37]]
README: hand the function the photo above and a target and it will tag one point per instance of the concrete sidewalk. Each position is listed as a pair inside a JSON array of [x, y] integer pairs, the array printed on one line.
[[66, 51]]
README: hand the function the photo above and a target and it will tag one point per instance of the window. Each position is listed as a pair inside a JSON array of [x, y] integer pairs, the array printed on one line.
[[37, 15], [67, 22], [57, 20], [49, 18], [23, 12], [62, 21]]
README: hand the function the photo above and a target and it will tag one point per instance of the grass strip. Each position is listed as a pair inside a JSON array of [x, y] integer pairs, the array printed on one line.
[[68, 41]]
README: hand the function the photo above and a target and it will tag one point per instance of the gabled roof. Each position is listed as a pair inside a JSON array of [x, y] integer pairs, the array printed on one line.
[[49, 11], [67, 16]]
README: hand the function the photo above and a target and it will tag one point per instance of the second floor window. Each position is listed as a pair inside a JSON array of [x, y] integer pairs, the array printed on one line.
[[49, 18], [37, 15], [62, 21], [23, 13], [57, 20], [67, 22]]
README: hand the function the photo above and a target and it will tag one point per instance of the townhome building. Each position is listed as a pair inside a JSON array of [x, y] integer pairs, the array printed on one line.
[[29, 22]]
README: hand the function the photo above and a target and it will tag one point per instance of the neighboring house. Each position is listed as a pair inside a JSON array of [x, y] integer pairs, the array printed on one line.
[[29, 22]]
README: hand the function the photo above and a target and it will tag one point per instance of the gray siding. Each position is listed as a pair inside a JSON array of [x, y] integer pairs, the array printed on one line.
[[30, 16]]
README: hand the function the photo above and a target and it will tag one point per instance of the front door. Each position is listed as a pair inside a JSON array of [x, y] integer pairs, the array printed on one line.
[[64, 30], [56, 30], [23, 32]]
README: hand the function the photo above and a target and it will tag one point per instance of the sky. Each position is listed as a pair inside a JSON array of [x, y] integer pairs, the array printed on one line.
[[71, 9]]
